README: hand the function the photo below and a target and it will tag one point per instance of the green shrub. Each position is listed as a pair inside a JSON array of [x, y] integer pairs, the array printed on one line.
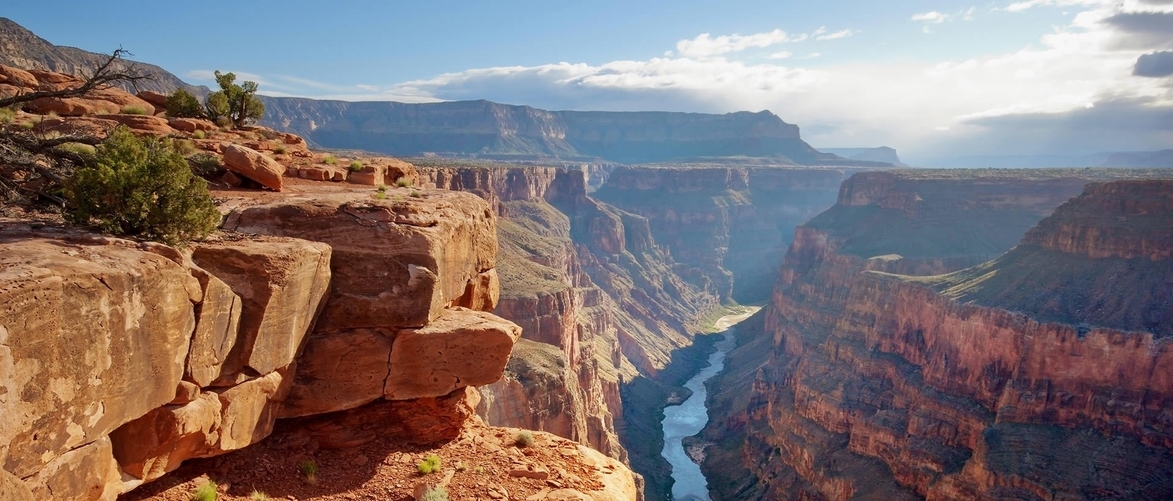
[[80, 149], [184, 147], [523, 438], [309, 469], [199, 134], [435, 494], [134, 110], [403, 182], [7, 116], [429, 465], [416, 194], [205, 492], [28, 125], [204, 164], [330, 160], [141, 187], [279, 149], [355, 166], [182, 104]]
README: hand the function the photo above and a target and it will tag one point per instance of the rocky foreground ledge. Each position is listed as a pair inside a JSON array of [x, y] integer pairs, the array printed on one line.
[[358, 314]]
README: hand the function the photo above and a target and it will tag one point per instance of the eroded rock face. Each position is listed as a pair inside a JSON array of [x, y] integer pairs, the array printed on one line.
[[396, 263], [281, 285], [461, 348], [909, 387], [93, 336]]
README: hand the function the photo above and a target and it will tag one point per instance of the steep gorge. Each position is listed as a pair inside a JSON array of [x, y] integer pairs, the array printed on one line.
[[608, 311], [862, 384]]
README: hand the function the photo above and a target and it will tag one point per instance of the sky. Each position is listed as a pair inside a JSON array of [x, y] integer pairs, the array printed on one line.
[[933, 79]]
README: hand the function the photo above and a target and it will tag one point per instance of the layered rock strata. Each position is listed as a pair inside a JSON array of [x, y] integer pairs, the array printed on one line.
[[880, 385], [727, 226], [121, 360]]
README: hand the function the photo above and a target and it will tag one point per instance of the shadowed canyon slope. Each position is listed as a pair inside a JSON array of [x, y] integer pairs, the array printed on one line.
[[604, 303], [865, 384]]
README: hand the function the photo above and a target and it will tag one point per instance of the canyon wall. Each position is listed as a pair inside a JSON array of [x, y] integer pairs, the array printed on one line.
[[864, 384], [485, 129], [119, 360], [727, 226]]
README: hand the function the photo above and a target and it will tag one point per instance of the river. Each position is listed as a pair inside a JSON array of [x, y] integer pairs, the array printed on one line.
[[688, 418]]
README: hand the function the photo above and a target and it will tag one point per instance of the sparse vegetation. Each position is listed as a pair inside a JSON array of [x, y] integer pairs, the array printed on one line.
[[182, 104], [259, 496], [185, 147], [238, 103], [330, 160], [403, 182], [355, 166], [141, 187], [7, 116], [28, 125], [204, 164], [134, 110], [381, 192], [83, 150], [279, 149], [205, 492], [429, 465], [309, 471], [435, 494], [416, 194], [199, 134], [523, 439]]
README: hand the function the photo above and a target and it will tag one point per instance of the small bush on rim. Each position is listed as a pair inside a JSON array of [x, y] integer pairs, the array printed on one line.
[[141, 187]]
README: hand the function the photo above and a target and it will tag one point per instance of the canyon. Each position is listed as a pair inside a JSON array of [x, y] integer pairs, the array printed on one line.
[[926, 334], [944, 335]]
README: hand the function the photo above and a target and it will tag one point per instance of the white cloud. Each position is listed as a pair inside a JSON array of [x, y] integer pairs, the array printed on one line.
[[704, 45], [781, 55], [836, 35], [932, 17], [968, 14], [368, 88]]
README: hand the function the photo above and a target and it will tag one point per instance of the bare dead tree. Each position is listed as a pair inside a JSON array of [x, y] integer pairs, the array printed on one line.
[[34, 163]]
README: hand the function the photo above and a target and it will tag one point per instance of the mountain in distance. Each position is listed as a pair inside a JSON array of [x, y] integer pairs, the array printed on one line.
[[880, 154], [484, 129], [1130, 159], [21, 48]]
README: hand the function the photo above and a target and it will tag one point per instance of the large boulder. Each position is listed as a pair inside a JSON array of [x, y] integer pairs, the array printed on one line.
[[191, 124], [73, 106], [17, 77], [88, 473], [148, 124], [254, 165], [461, 348], [92, 335], [339, 371], [12, 488], [212, 424], [281, 283], [396, 264]]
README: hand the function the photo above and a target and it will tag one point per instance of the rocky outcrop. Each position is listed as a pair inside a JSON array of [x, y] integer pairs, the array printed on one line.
[[253, 165], [492, 130], [138, 307], [879, 385], [196, 353]]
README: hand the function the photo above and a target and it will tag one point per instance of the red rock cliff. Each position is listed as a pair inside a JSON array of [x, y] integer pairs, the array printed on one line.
[[882, 387]]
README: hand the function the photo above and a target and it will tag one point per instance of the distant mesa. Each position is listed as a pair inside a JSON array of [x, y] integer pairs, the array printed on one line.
[[880, 154]]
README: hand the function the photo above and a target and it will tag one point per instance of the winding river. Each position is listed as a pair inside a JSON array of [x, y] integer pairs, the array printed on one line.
[[688, 418]]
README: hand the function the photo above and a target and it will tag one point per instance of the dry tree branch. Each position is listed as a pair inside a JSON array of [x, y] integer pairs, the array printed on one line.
[[114, 69]]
